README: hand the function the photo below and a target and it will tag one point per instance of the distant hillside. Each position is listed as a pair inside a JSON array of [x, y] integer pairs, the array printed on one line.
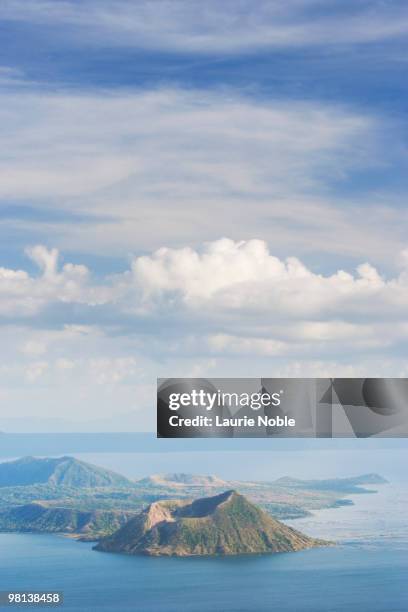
[[344, 485], [368, 479], [180, 479], [65, 471], [226, 524], [38, 517]]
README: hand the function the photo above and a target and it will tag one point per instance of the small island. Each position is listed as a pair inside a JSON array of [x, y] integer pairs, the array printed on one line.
[[225, 524]]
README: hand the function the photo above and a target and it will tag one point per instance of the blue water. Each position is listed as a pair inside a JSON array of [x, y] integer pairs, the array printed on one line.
[[366, 572], [333, 579]]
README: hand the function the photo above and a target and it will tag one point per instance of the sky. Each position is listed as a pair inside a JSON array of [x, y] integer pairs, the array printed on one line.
[[197, 189]]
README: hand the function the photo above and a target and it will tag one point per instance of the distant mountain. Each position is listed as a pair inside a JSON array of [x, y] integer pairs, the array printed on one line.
[[39, 517], [180, 479], [65, 471], [344, 485], [226, 524], [368, 479]]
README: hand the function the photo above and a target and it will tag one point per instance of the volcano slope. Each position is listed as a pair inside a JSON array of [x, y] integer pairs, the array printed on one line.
[[225, 524]]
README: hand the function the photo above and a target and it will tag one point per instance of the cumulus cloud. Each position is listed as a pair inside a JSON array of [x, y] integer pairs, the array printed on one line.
[[241, 296], [224, 275], [25, 295], [230, 26], [245, 276], [255, 303]]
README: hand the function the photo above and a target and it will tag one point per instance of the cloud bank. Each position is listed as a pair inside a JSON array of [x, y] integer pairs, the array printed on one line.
[[234, 289], [229, 308]]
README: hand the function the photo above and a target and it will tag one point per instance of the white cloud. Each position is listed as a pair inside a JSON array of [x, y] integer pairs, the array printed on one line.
[[34, 348], [377, 366], [225, 276], [25, 295], [227, 344], [252, 302], [84, 374], [245, 276], [161, 138], [306, 338], [64, 364], [35, 370], [243, 299], [47, 260], [230, 26], [10, 76], [104, 370]]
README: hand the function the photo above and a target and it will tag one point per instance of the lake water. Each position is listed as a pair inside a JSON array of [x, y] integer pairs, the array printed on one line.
[[366, 572]]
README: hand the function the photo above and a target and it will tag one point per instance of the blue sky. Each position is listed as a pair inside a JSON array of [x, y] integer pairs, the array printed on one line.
[[197, 189]]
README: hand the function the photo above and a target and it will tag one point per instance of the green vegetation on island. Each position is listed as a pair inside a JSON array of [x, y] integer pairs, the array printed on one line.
[[60, 471], [225, 524], [38, 517], [65, 495]]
